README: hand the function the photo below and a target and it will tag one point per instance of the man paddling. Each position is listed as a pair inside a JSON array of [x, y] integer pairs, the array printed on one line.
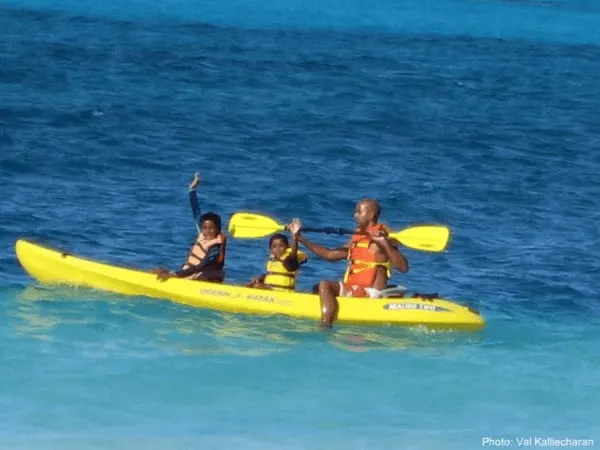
[[371, 255]]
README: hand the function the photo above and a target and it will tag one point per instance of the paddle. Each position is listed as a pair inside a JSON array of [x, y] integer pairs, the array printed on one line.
[[427, 238]]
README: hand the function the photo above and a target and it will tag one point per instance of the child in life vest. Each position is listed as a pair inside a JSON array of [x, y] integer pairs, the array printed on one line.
[[206, 258], [283, 263]]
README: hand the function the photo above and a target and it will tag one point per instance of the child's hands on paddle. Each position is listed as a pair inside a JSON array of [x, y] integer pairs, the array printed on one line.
[[295, 226]]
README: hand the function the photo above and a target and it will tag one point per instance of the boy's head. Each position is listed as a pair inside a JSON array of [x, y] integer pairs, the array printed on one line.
[[278, 244], [210, 225]]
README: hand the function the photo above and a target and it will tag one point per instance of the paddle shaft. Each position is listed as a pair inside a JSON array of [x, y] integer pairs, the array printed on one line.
[[429, 238], [333, 230], [340, 231], [326, 230]]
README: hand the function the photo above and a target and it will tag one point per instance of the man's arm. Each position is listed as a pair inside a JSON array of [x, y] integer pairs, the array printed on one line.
[[391, 250], [325, 253]]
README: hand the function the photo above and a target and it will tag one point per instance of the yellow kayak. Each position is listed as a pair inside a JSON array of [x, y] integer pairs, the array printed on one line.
[[52, 266]]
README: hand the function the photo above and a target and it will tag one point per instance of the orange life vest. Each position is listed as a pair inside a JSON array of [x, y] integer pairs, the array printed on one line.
[[362, 266], [199, 251]]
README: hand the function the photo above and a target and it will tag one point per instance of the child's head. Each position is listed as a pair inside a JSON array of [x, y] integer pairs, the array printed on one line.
[[278, 244], [210, 225]]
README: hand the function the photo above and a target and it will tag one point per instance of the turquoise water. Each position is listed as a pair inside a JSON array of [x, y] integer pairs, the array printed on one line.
[[481, 115]]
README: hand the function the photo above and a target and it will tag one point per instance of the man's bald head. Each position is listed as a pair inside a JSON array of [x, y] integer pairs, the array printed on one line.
[[367, 212], [372, 207]]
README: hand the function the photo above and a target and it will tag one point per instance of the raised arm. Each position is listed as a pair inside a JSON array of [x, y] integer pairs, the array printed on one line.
[[292, 262], [196, 211]]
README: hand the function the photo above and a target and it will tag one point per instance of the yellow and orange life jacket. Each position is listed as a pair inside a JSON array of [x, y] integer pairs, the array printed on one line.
[[200, 249], [362, 265]]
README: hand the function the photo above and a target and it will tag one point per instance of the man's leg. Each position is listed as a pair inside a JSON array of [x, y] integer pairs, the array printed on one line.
[[328, 291]]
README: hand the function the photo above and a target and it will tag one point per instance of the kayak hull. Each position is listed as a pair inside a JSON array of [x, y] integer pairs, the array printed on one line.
[[51, 266]]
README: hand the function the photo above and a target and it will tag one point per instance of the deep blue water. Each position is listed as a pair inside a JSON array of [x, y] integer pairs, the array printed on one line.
[[482, 115]]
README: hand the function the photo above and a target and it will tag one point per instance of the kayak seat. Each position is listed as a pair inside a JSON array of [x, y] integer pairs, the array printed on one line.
[[393, 291]]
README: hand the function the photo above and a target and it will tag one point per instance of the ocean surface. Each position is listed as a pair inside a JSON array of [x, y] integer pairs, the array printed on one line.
[[482, 115]]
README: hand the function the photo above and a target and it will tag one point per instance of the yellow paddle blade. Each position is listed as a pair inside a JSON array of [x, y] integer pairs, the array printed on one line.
[[427, 238], [248, 225]]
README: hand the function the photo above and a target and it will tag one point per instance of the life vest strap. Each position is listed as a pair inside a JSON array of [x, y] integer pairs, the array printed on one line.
[[283, 274]]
